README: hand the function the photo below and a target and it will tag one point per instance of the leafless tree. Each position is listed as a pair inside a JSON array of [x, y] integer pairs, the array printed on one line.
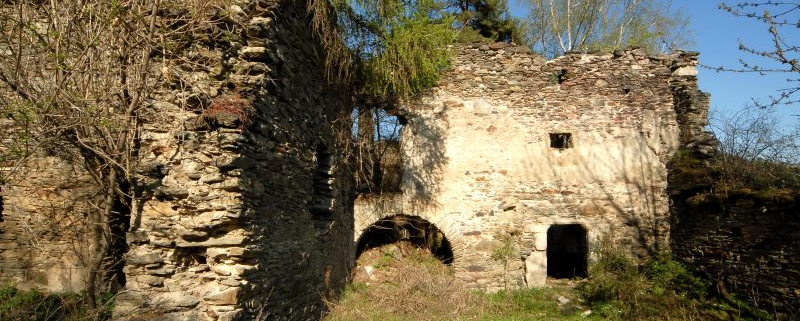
[[557, 26], [74, 74], [756, 150], [782, 21]]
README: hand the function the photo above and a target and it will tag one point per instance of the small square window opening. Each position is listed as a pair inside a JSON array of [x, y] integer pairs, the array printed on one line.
[[561, 140]]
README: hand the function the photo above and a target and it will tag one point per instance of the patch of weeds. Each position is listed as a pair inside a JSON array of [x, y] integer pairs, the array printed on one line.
[[533, 304], [32, 305], [668, 276], [385, 260], [662, 289]]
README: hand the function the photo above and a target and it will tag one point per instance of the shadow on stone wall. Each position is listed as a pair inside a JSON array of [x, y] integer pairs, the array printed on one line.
[[246, 204], [425, 152], [641, 207]]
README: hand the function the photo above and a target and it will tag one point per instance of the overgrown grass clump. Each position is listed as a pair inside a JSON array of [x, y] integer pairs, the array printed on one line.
[[408, 284], [661, 289], [32, 305]]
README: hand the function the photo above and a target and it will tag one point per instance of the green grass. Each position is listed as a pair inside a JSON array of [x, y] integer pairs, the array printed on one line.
[[31, 305]]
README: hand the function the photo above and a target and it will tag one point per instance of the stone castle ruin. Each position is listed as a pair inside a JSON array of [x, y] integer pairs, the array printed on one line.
[[262, 221], [550, 156]]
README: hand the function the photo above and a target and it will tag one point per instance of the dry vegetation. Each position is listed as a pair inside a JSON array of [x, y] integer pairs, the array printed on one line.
[[401, 282]]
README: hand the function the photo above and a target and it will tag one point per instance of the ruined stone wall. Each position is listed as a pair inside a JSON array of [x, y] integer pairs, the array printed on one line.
[[241, 205], [480, 166], [46, 241], [47, 204], [245, 210], [747, 242]]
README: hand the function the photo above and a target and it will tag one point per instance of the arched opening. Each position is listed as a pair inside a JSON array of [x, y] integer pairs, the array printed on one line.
[[413, 229], [567, 251]]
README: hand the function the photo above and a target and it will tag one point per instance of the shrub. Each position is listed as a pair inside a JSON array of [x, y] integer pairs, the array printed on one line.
[[662, 289]]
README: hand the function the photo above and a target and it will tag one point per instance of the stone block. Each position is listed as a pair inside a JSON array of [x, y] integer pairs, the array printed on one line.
[[143, 259], [536, 269], [228, 296], [179, 299], [150, 280], [487, 245], [540, 241]]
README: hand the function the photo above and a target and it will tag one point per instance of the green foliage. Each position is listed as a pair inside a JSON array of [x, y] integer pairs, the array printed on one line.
[[399, 48], [31, 305], [668, 276], [614, 276], [470, 35], [491, 19], [662, 289], [531, 304], [385, 260]]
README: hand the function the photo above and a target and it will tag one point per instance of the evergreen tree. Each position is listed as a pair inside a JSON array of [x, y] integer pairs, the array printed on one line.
[[490, 18], [397, 48]]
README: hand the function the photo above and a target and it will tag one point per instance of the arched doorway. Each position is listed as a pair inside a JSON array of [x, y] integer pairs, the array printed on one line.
[[413, 229]]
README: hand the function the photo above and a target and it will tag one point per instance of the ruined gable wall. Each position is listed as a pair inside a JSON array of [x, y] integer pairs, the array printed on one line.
[[479, 163], [228, 226]]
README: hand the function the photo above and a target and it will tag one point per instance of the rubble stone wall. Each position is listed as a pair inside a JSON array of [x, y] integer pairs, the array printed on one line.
[[745, 240], [748, 243], [478, 160], [45, 241], [242, 206]]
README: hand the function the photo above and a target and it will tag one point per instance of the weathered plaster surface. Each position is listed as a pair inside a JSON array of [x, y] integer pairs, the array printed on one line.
[[478, 162]]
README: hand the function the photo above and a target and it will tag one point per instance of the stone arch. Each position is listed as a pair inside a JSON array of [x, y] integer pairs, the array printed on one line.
[[414, 229]]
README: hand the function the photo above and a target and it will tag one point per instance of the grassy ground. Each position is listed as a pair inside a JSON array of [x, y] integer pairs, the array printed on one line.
[[19, 305], [401, 282]]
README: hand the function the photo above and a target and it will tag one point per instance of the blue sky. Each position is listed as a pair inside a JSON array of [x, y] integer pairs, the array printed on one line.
[[716, 35]]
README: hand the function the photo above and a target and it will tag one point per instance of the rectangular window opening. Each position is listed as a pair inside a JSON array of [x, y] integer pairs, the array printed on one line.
[[561, 140], [323, 189]]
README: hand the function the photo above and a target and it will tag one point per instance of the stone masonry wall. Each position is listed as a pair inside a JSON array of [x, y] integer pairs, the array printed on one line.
[[45, 240], [48, 202], [748, 243], [479, 163], [244, 212]]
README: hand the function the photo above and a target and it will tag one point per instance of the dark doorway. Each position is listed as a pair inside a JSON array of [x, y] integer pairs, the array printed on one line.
[[567, 251], [408, 228]]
